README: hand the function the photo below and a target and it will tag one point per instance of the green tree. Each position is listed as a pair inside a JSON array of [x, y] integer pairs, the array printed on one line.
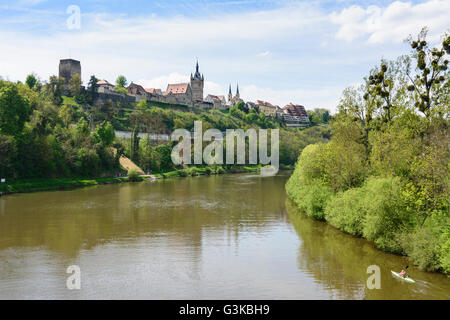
[[105, 133], [75, 85], [92, 87], [121, 82], [14, 109], [430, 67], [7, 155], [31, 81]]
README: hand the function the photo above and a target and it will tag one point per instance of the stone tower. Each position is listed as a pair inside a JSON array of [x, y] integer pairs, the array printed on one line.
[[67, 69], [197, 83]]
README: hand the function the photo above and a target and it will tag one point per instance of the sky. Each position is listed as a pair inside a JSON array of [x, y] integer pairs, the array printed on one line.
[[301, 51]]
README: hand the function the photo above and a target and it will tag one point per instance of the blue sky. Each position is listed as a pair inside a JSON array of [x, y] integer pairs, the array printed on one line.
[[282, 51]]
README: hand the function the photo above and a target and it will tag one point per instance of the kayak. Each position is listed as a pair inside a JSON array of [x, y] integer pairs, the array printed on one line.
[[407, 279]]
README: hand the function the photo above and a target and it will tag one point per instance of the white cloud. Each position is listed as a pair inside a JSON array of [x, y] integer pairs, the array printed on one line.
[[392, 23], [324, 97], [162, 81], [288, 54], [175, 77]]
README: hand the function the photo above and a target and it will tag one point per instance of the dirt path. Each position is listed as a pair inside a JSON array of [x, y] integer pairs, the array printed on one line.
[[127, 164]]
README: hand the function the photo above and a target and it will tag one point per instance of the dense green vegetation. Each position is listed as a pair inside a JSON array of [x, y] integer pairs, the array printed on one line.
[[49, 131], [384, 175]]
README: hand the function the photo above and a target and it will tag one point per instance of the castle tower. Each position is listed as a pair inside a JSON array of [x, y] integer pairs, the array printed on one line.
[[197, 84], [67, 69], [230, 95]]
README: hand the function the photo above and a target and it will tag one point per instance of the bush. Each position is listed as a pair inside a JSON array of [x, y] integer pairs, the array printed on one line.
[[208, 170], [345, 211], [422, 248], [193, 172], [386, 213], [220, 170], [310, 197], [444, 253], [134, 175], [183, 173]]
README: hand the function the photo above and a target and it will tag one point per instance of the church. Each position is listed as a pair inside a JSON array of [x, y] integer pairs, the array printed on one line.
[[232, 100], [186, 93]]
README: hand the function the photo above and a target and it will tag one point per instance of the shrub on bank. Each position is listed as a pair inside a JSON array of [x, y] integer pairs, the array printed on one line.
[[345, 211], [220, 170], [386, 213], [134, 175]]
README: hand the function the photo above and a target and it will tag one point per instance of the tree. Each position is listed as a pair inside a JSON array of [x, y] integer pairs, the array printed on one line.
[[75, 85], [14, 109], [430, 66], [92, 93], [121, 82], [31, 81], [54, 89], [105, 133], [7, 153]]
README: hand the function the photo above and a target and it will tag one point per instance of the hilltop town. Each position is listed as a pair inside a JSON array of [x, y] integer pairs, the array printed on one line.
[[190, 94]]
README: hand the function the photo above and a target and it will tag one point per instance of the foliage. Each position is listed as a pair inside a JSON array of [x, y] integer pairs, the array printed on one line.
[[75, 85], [134, 175], [14, 109], [121, 81], [385, 173], [31, 81]]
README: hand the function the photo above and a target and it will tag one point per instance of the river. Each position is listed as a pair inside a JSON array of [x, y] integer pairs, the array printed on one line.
[[217, 237]]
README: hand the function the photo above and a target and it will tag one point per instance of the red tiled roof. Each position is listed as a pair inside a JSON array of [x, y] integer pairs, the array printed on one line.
[[177, 88], [264, 103], [295, 110], [134, 88], [153, 90], [103, 82]]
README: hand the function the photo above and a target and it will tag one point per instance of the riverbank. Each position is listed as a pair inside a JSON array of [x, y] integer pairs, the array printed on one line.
[[36, 185], [375, 211]]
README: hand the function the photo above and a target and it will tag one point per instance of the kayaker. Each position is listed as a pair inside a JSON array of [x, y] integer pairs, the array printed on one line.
[[403, 272]]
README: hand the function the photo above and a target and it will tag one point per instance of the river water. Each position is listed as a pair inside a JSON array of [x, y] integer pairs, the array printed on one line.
[[217, 237]]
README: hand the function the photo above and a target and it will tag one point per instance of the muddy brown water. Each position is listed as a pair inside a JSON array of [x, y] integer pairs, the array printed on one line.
[[217, 237]]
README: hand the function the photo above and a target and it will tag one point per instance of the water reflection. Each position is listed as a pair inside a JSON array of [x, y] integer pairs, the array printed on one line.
[[339, 262], [223, 237]]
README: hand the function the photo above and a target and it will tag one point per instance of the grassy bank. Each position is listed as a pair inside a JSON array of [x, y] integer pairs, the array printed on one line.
[[34, 185], [206, 170]]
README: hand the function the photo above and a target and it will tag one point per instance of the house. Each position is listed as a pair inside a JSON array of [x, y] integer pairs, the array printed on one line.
[[250, 105], [279, 113], [295, 116], [104, 86], [267, 108], [180, 93], [154, 91], [136, 89], [219, 102]]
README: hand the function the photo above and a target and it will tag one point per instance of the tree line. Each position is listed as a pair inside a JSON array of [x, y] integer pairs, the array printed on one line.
[[384, 175]]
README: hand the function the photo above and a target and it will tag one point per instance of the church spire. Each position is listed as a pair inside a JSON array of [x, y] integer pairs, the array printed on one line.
[[237, 91], [197, 75], [229, 91]]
